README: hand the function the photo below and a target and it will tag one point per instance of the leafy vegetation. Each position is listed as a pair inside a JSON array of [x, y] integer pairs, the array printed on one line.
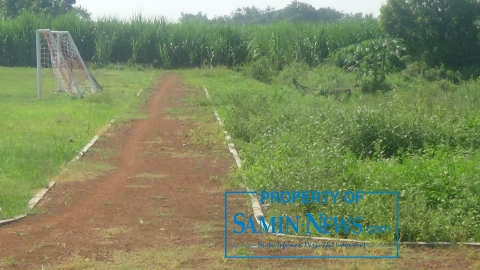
[[418, 140], [437, 32], [164, 45], [294, 12], [372, 59], [418, 136], [12, 8]]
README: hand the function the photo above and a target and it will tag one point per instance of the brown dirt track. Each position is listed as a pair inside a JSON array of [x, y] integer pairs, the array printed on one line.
[[124, 210]]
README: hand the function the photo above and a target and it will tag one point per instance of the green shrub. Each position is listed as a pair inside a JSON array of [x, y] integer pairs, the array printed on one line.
[[418, 140]]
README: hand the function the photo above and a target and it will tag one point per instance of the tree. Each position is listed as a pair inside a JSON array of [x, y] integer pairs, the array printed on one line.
[[12, 8], [62, 6], [329, 14], [199, 18], [246, 15], [294, 12], [435, 31], [372, 60], [82, 13], [298, 11]]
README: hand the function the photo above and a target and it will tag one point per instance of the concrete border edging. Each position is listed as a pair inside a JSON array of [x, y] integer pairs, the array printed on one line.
[[257, 209], [40, 194]]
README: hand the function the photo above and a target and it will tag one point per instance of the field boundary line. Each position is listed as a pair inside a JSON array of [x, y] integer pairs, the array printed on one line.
[[40, 194], [257, 209]]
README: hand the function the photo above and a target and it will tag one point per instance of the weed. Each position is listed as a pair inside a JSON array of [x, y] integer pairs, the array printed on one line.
[[37, 211], [82, 171], [111, 233], [421, 143], [242, 251], [10, 261], [204, 230], [150, 176]]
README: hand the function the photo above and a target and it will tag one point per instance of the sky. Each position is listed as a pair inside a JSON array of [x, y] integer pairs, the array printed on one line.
[[172, 9]]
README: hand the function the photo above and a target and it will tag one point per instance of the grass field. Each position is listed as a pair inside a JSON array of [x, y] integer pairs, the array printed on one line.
[[409, 124], [421, 139], [287, 140], [39, 136], [417, 139], [212, 257]]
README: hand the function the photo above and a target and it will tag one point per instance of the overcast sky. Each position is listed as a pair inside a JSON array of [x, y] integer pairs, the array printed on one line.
[[172, 9]]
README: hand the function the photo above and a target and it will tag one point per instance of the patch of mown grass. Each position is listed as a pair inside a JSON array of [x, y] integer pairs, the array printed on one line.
[[39, 136], [419, 140]]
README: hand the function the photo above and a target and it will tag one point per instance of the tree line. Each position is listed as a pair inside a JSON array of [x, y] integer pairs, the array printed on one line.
[[436, 32], [10, 9], [294, 12]]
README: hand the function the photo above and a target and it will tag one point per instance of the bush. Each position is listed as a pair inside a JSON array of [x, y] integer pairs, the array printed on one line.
[[261, 70], [421, 69], [371, 85]]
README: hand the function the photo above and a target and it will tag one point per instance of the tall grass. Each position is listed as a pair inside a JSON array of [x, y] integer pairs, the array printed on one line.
[[155, 42], [418, 140]]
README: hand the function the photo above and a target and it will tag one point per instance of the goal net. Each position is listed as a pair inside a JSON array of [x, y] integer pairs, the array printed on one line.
[[57, 51]]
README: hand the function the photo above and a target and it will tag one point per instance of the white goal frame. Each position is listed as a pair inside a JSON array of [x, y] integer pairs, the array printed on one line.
[[57, 50]]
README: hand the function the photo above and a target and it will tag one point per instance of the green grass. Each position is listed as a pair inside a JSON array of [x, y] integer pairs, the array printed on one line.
[[420, 140], [39, 136]]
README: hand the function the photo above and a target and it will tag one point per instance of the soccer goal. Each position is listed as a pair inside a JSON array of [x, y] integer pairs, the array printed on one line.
[[56, 50]]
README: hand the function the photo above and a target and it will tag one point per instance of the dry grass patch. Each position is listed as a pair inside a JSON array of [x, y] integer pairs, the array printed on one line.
[[157, 140], [138, 186], [151, 176], [205, 230], [185, 257], [82, 171], [186, 154], [212, 190], [111, 233]]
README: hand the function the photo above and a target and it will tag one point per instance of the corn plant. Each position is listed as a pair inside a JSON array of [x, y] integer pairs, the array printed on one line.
[[138, 28], [167, 45], [103, 48]]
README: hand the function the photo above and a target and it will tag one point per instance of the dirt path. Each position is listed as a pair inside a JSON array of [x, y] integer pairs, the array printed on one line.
[[161, 196], [157, 189]]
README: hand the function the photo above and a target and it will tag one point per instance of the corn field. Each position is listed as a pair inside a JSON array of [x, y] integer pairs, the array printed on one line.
[[166, 45]]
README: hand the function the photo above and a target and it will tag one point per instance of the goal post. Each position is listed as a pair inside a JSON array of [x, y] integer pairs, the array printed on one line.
[[57, 51]]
